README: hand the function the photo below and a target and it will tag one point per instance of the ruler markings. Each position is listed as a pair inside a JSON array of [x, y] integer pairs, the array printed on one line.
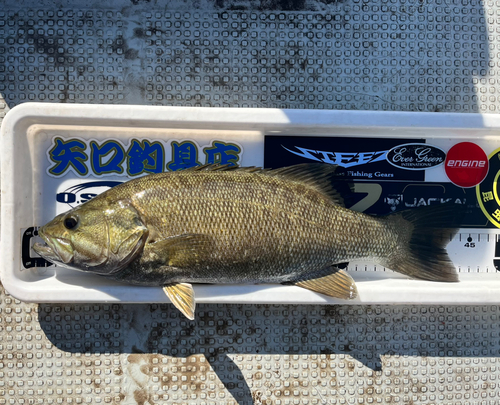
[[471, 252]]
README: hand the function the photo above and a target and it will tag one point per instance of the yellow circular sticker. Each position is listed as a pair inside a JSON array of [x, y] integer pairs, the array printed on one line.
[[487, 191]]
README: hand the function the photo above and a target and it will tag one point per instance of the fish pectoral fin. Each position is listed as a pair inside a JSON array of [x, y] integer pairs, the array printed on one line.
[[182, 251], [182, 296], [338, 284]]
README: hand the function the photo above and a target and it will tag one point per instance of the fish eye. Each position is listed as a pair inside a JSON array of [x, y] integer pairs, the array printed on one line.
[[70, 222]]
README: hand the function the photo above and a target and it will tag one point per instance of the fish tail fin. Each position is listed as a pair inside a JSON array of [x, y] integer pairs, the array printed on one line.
[[423, 234]]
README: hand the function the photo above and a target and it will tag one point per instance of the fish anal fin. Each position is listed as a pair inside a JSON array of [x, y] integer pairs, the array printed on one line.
[[182, 296], [338, 284]]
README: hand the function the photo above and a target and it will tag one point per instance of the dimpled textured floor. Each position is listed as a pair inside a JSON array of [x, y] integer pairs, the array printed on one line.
[[391, 55]]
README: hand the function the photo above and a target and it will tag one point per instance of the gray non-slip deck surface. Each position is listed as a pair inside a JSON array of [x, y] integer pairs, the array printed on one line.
[[378, 55]]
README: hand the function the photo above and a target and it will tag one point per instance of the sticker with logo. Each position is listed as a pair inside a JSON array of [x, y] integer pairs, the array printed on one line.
[[357, 158], [487, 191], [416, 156], [384, 197], [466, 164], [83, 192], [88, 157], [362, 161]]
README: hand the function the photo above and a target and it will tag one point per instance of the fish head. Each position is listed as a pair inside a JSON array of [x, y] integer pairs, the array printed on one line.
[[101, 240]]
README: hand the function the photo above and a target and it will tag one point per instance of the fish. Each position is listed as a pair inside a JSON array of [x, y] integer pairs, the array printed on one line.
[[219, 224]]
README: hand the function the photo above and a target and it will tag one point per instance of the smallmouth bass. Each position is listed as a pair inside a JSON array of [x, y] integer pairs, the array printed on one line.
[[218, 224]]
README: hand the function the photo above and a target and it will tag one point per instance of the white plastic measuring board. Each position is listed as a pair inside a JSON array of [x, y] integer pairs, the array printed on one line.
[[56, 156]]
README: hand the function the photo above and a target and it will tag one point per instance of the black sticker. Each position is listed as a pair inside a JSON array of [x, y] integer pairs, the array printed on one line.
[[362, 161], [398, 196], [26, 250], [357, 158]]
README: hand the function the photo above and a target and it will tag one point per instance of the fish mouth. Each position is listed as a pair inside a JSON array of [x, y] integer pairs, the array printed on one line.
[[46, 252], [55, 250]]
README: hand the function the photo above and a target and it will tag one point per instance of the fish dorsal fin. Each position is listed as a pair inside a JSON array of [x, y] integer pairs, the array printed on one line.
[[216, 167], [317, 176], [209, 167]]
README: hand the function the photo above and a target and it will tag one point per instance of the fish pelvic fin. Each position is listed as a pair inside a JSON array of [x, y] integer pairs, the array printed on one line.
[[423, 234], [337, 284], [182, 296]]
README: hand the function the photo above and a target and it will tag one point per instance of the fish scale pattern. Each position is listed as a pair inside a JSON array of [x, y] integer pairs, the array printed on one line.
[[393, 55], [289, 232]]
